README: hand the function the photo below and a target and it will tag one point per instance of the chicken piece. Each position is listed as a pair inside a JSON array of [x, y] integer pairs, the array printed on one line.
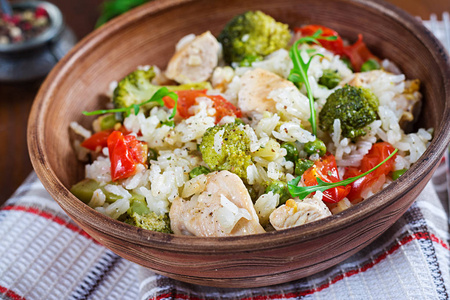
[[223, 208], [256, 85], [296, 213], [195, 61]]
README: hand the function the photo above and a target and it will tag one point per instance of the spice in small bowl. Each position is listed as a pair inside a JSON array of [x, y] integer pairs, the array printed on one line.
[[23, 25]]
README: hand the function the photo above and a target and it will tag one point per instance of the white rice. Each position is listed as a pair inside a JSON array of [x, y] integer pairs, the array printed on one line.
[[168, 175]]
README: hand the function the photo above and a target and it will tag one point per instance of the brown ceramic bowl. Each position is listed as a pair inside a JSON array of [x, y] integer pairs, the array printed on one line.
[[148, 35]]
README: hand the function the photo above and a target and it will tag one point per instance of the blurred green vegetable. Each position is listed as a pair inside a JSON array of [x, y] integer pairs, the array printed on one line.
[[107, 121], [370, 65], [114, 8], [398, 173]]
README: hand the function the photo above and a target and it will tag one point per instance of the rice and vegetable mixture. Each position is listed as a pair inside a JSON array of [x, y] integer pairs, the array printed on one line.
[[262, 128]]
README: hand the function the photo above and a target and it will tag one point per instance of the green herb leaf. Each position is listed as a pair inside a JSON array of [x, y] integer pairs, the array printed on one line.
[[299, 73], [157, 97], [113, 8], [303, 191]]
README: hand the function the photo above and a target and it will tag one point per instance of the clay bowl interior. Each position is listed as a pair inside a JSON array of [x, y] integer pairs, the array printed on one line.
[[148, 36]]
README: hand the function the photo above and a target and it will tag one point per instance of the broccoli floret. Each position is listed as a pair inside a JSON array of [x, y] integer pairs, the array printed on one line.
[[355, 107], [150, 221], [136, 88], [234, 153], [252, 34]]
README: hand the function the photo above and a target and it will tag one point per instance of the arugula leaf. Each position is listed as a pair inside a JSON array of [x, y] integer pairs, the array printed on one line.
[[302, 191], [157, 97], [299, 73]]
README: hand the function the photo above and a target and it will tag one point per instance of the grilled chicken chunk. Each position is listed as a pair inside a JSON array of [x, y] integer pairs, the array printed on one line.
[[255, 87], [221, 206], [195, 61], [296, 213]]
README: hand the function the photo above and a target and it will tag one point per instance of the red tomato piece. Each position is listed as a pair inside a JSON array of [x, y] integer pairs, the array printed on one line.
[[224, 108], [186, 99], [336, 46], [97, 140], [358, 53], [326, 169], [125, 153], [378, 153]]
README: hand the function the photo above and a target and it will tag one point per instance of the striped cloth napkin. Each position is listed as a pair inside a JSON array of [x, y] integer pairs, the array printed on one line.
[[44, 255]]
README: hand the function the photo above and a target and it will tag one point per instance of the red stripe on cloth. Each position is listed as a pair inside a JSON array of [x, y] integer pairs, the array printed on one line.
[[46, 215], [403, 241], [10, 294]]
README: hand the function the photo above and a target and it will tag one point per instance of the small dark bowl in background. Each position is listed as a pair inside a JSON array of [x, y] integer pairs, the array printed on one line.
[[34, 58]]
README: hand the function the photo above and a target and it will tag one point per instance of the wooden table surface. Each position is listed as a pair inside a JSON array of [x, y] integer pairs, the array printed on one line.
[[16, 99]]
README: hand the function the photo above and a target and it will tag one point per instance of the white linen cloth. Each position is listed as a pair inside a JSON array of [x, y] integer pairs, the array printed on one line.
[[44, 255]]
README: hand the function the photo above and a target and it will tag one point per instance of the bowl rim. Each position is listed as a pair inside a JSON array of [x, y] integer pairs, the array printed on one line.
[[271, 240]]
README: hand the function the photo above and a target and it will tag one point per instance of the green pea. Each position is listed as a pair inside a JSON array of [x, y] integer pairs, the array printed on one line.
[[330, 79], [280, 188], [302, 165], [249, 60], [291, 151], [398, 173], [107, 122], [316, 146], [198, 171], [370, 65], [151, 155]]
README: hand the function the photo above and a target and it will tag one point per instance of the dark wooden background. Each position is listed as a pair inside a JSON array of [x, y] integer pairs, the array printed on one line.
[[80, 16]]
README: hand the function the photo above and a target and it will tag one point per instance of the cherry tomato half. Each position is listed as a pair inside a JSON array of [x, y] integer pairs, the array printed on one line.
[[125, 153], [336, 46], [186, 99], [358, 53], [326, 169], [378, 153], [98, 140]]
